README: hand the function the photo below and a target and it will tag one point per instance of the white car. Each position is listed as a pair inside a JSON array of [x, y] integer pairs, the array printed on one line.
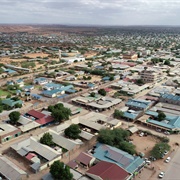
[[167, 159], [141, 134], [166, 152], [161, 174]]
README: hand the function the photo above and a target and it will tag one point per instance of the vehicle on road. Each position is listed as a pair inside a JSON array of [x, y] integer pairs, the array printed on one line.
[[168, 159], [161, 174]]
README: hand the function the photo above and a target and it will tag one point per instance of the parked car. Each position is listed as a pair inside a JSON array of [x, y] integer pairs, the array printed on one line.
[[161, 174], [167, 132], [168, 159], [141, 134], [166, 152], [148, 162]]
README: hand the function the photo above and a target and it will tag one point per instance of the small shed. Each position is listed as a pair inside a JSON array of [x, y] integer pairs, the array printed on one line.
[[133, 130]]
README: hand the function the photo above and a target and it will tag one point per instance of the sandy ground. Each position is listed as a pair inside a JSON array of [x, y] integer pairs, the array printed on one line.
[[144, 144]]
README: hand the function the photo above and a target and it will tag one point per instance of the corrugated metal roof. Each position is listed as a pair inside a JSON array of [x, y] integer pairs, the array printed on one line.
[[107, 170], [10, 170]]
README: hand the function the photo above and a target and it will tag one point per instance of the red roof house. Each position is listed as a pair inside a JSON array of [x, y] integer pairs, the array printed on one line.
[[106, 170], [45, 120], [36, 114], [72, 164], [85, 159], [40, 118]]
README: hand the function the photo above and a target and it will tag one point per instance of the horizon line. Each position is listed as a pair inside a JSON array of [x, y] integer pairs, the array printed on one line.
[[101, 25]]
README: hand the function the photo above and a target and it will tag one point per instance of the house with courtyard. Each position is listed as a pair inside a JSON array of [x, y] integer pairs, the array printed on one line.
[[40, 156]]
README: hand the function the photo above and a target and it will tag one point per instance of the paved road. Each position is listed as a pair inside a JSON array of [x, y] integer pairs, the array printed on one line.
[[173, 169]]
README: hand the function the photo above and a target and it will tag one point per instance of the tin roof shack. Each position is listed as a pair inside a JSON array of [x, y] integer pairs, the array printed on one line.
[[8, 132], [10, 171]]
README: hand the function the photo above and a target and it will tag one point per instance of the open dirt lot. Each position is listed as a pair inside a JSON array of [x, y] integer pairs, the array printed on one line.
[[144, 144]]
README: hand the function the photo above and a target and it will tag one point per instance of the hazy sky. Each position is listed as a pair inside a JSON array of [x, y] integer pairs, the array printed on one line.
[[102, 12]]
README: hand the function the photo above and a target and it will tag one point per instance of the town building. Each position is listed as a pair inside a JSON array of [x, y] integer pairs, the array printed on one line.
[[9, 170], [107, 170], [129, 163], [149, 76], [8, 132]]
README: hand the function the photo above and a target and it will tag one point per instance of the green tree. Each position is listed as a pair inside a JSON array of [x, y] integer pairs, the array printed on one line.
[[102, 92], [111, 78], [1, 108], [117, 138], [8, 96], [72, 131], [167, 62], [92, 94], [59, 112], [14, 117], [47, 139], [139, 81], [18, 105], [60, 171], [159, 149], [118, 114], [161, 116]]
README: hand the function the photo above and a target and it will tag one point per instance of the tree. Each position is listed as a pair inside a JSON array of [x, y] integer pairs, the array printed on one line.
[[111, 78], [161, 116], [60, 171], [118, 114], [59, 112], [18, 105], [92, 94], [139, 81], [117, 138], [102, 92], [73, 131], [159, 149], [47, 139], [167, 62], [14, 117]]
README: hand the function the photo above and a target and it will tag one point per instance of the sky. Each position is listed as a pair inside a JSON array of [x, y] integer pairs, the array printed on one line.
[[90, 12]]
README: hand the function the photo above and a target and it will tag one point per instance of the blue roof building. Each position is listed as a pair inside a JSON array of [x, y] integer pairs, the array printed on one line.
[[41, 80], [170, 122], [131, 116], [36, 96], [123, 159], [10, 102], [28, 88], [106, 78], [56, 92], [138, 104], [10, 71], [170, 98], [51, 86]]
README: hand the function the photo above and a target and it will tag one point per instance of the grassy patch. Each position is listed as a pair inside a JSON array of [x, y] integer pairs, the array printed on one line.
[[4, 93]]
